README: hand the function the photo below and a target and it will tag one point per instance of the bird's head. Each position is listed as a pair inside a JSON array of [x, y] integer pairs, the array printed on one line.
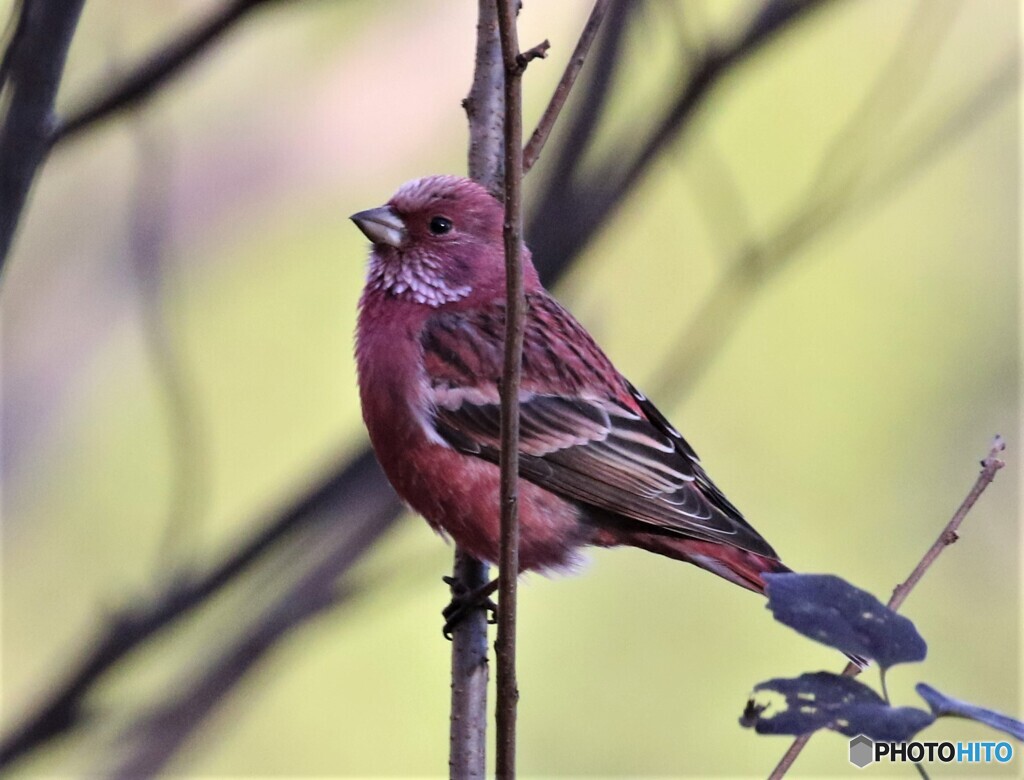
[[438, 240]]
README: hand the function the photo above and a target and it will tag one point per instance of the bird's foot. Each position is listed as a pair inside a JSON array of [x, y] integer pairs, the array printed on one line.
[[464, 601]]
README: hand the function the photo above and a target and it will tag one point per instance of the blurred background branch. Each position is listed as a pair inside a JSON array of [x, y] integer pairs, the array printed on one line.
[[318, 566], [589, 195], [156, 70], [356, 503], [30, 74], [864, 164], [148, 242]]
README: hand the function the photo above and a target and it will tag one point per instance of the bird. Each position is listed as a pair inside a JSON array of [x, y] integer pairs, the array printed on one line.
[[599, 465]]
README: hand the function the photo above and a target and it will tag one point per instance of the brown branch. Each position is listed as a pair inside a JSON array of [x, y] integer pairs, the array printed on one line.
[[564, 199], [989, 468], [32, 67], [155, 71], [485, 108], [538, 52], [515, 323], [572, 69], [467, 734], [990, 465]]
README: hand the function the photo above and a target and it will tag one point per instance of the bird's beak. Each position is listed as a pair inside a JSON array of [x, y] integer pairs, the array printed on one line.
[[381, 225]]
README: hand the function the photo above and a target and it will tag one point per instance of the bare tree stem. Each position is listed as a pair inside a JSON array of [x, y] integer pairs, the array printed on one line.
[[989, 468], [515, 318], [467, 735], [572, 69], [485, 106]]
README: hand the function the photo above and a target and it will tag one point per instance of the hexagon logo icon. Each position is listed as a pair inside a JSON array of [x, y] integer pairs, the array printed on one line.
[[862, 751]]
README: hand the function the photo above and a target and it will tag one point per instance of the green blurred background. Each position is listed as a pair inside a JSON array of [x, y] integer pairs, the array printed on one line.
[[844, 413]]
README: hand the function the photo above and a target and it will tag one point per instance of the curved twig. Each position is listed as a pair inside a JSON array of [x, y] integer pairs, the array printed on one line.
[[990, 466]]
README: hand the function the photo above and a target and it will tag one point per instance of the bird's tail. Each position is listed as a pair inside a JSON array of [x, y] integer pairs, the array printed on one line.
[[742, 567]]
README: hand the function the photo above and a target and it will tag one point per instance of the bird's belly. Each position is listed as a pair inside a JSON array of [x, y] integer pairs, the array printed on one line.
[[458, 495]]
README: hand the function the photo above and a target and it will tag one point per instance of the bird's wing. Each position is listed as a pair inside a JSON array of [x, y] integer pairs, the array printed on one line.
[[585, 433]]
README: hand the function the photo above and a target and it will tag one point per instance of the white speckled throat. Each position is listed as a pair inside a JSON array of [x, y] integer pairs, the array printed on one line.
[[413, 276]]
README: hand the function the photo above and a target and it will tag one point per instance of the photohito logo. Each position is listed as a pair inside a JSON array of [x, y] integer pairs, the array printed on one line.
[[862, 751], [865, 751]]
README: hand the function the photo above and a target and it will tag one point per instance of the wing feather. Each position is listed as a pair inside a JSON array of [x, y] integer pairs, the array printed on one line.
[[585, 433]]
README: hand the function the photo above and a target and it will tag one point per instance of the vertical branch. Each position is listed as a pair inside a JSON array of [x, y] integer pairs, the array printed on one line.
[[32, 67], [485, 111], [467, 735], [515, 312], [494, 110], [485, 106]]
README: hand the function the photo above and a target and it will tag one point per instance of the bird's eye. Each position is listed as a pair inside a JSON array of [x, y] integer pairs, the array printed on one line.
[[440, 225]]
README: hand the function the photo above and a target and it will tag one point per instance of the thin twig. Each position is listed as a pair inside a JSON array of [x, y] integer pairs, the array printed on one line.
[[155, 71], [572, 69], [515, 322], [538, 52], [989, 467]]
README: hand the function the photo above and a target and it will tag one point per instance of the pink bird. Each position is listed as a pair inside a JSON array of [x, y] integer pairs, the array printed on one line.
[[600, 465]]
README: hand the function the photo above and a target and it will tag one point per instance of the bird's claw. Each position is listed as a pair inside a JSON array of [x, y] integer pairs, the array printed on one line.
[[464, 601]]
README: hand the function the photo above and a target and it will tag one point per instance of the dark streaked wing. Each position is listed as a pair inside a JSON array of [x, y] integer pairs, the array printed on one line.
[[709, 488], [579, 437]]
